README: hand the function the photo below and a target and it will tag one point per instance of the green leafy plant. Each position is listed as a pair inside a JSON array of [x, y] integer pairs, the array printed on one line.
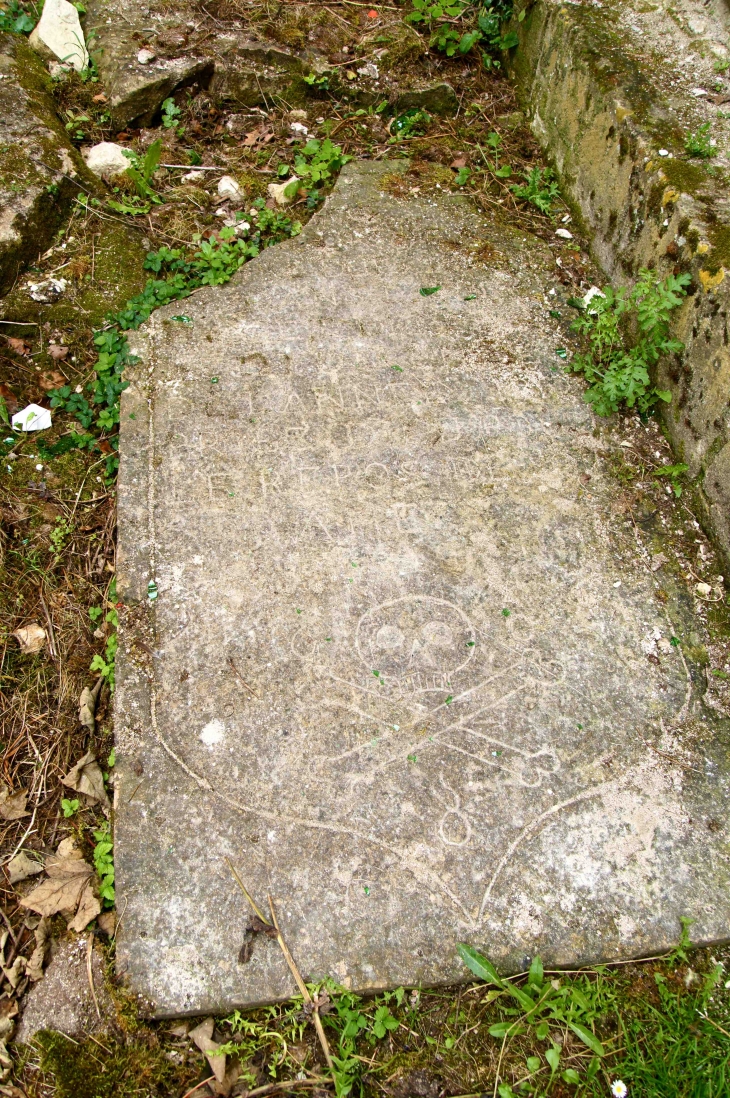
[[16, 19], [318, 81], [104, 863], [674, 472], [59, 537], [314, 164], [171, 116], [105, 664], [618, 370], [701, 144], [543, 1005], [75, 121], [540, 189], [458, 27], [69, 808], [141, 171], [494, 142], [411, 123]]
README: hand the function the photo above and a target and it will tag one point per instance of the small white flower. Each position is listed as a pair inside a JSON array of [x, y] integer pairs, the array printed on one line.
[[619, 1089]]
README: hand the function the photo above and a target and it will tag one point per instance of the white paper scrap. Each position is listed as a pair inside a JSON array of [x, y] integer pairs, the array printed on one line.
[[32, 418]]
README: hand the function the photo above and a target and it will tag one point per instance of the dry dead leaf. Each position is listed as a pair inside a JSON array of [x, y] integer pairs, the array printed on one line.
[[34, 967], [86, 777], [12, 805], [18, 345], [89, 907], [100, 98], [68, 876], [21, 867], [14, 974], [31, 638], [107, 923], [202, 1035], [460, 162], [52, 379], [57, 352]]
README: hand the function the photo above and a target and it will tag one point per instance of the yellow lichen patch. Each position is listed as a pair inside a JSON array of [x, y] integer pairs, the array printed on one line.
[[709, 281], [622, 112], [670, 195], [703, 248]]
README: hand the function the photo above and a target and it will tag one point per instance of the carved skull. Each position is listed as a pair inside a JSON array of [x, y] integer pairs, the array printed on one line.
[[415, 636]]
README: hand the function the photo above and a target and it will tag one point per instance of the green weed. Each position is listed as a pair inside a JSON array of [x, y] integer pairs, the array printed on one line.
[[141, 171], [701, 144], [16, 19], [60, 534], [104, 863], [618, 371], [540, 189], [69, 808], [458, 27], [674, 472], [171, 116], [315, 164]]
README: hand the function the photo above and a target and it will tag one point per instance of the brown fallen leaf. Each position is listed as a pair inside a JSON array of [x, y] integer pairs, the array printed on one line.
[[100, 98], [107, 923], [56, 352], [10, 399], [31, 638], [460, 162], [18, 345], [202, 1035], [52, 379], [89, 907], [86, 777], [12, 805], [21, 867], [68, 877], [34, 967]]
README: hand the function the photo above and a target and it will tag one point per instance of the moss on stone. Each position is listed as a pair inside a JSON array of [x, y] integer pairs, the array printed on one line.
[[719, 234], [685, 176]]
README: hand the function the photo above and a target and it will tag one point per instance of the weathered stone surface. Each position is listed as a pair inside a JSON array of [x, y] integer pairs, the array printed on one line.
[[63, 1001], [58, 35], [437, 98], [37, 165], [106, 159], [136, 91], [247, 73], [395, 668], [611, 91]]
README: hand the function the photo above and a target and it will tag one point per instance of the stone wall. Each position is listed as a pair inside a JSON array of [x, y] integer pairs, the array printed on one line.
[[603, 103]]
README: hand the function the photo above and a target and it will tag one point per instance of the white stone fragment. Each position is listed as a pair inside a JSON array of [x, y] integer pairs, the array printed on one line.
[[228, 188], [48, 291], [106, 159], [144, 57], [565, 234], [299, 127], [59, 33], [277, 191]]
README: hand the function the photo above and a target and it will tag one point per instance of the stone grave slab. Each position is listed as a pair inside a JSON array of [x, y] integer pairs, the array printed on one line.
[[396, 669]]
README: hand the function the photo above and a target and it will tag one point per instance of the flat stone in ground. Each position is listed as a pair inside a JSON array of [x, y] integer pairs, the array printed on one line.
[[395, 665]]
